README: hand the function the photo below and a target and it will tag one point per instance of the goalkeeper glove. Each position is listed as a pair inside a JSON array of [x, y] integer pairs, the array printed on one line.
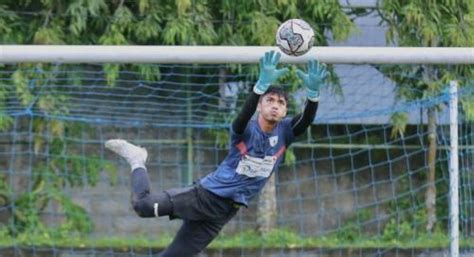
[[268, 72], [314, 79]]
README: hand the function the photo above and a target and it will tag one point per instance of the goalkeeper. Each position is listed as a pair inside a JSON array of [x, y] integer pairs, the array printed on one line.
[[257, 147]]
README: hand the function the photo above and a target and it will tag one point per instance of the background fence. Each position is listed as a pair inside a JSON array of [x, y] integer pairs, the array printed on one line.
[[355, 184]]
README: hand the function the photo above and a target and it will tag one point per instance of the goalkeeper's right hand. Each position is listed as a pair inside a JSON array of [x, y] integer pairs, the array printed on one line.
[[268, 72]]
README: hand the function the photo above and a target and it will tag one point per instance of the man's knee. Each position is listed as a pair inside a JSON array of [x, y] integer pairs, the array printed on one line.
[[143, 208], [148, 207]]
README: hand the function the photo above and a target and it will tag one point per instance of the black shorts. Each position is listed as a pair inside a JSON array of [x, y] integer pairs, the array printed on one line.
[[203, 213], [197, 203]]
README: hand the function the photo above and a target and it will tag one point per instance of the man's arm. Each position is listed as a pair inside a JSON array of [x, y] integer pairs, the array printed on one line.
[[313, 81], [250, 105], [302, 121]]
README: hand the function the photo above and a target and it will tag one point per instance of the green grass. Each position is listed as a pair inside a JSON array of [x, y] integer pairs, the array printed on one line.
[[282, 238], [278, 239]]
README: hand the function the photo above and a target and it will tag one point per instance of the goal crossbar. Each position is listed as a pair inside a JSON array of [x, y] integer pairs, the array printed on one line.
[[230, 54]]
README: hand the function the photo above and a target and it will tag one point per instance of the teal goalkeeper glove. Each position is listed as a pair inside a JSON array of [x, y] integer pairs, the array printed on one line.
[[314, 79], [268, 72]]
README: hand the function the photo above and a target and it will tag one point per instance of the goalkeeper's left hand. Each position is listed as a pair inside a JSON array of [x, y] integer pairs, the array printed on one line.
[[314, 79]]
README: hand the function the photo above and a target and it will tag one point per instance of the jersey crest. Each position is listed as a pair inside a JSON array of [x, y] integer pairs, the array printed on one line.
[[273, 140]]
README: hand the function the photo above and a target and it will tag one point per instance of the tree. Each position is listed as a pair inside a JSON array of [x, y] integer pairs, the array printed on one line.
[[438, 23]]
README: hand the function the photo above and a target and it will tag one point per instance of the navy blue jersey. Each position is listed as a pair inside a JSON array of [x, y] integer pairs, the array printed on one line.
[[252, 158]]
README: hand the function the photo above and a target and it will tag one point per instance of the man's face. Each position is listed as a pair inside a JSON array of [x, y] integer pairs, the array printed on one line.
[[272, 107]]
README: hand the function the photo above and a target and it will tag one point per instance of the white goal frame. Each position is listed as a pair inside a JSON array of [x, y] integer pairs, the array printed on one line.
[[10, 54], [231, 54]]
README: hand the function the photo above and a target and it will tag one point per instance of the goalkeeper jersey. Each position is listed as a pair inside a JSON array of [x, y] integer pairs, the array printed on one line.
[[252, 158]]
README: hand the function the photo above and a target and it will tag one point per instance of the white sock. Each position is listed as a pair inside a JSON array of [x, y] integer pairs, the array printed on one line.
[[137, 164]]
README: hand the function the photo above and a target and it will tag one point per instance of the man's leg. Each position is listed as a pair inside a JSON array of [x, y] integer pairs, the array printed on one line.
[[204, 216], [144, 203], [192, 238]]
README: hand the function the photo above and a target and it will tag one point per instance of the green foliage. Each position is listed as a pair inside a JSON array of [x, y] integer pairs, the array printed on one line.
[[399, 121], [352, 228], [49, 36], [432, 23], [5, 191], [21, 84], [467, 104], [148, 72], [111, 73], [8, 19], [405, 229], [5, 120], [28, 207], [222, 138], [48, 180], [436, 23], [55, 165], [290, 157]]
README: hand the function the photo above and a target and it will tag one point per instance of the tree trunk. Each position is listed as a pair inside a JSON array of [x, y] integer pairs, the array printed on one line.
[[267, 208], [431, 190]]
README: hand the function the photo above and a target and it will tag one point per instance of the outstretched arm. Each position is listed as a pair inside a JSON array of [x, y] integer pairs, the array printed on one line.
[[250, 105], [268, 75], [302, 121], [313, 82]]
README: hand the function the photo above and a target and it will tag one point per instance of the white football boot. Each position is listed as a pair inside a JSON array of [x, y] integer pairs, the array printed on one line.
[[135, 155]]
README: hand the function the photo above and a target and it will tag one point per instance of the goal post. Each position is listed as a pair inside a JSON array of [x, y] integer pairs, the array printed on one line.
[[453, 170]]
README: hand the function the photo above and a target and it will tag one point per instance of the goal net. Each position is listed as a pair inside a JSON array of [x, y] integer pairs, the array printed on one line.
[[369, 178]]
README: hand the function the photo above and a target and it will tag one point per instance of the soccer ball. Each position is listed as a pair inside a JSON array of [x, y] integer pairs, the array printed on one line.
[[295, 37]]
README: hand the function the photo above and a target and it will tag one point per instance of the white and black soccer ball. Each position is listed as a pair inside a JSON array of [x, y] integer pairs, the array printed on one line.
[[295, 37]]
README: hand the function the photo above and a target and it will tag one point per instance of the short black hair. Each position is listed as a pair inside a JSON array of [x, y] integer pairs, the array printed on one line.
[[277, 91]]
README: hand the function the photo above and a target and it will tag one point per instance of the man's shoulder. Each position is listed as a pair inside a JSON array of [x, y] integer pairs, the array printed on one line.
[[251, 125], [286, 123], [287, 130]]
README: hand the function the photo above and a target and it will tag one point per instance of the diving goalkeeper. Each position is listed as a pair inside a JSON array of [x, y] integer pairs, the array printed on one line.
[[256, 149]]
